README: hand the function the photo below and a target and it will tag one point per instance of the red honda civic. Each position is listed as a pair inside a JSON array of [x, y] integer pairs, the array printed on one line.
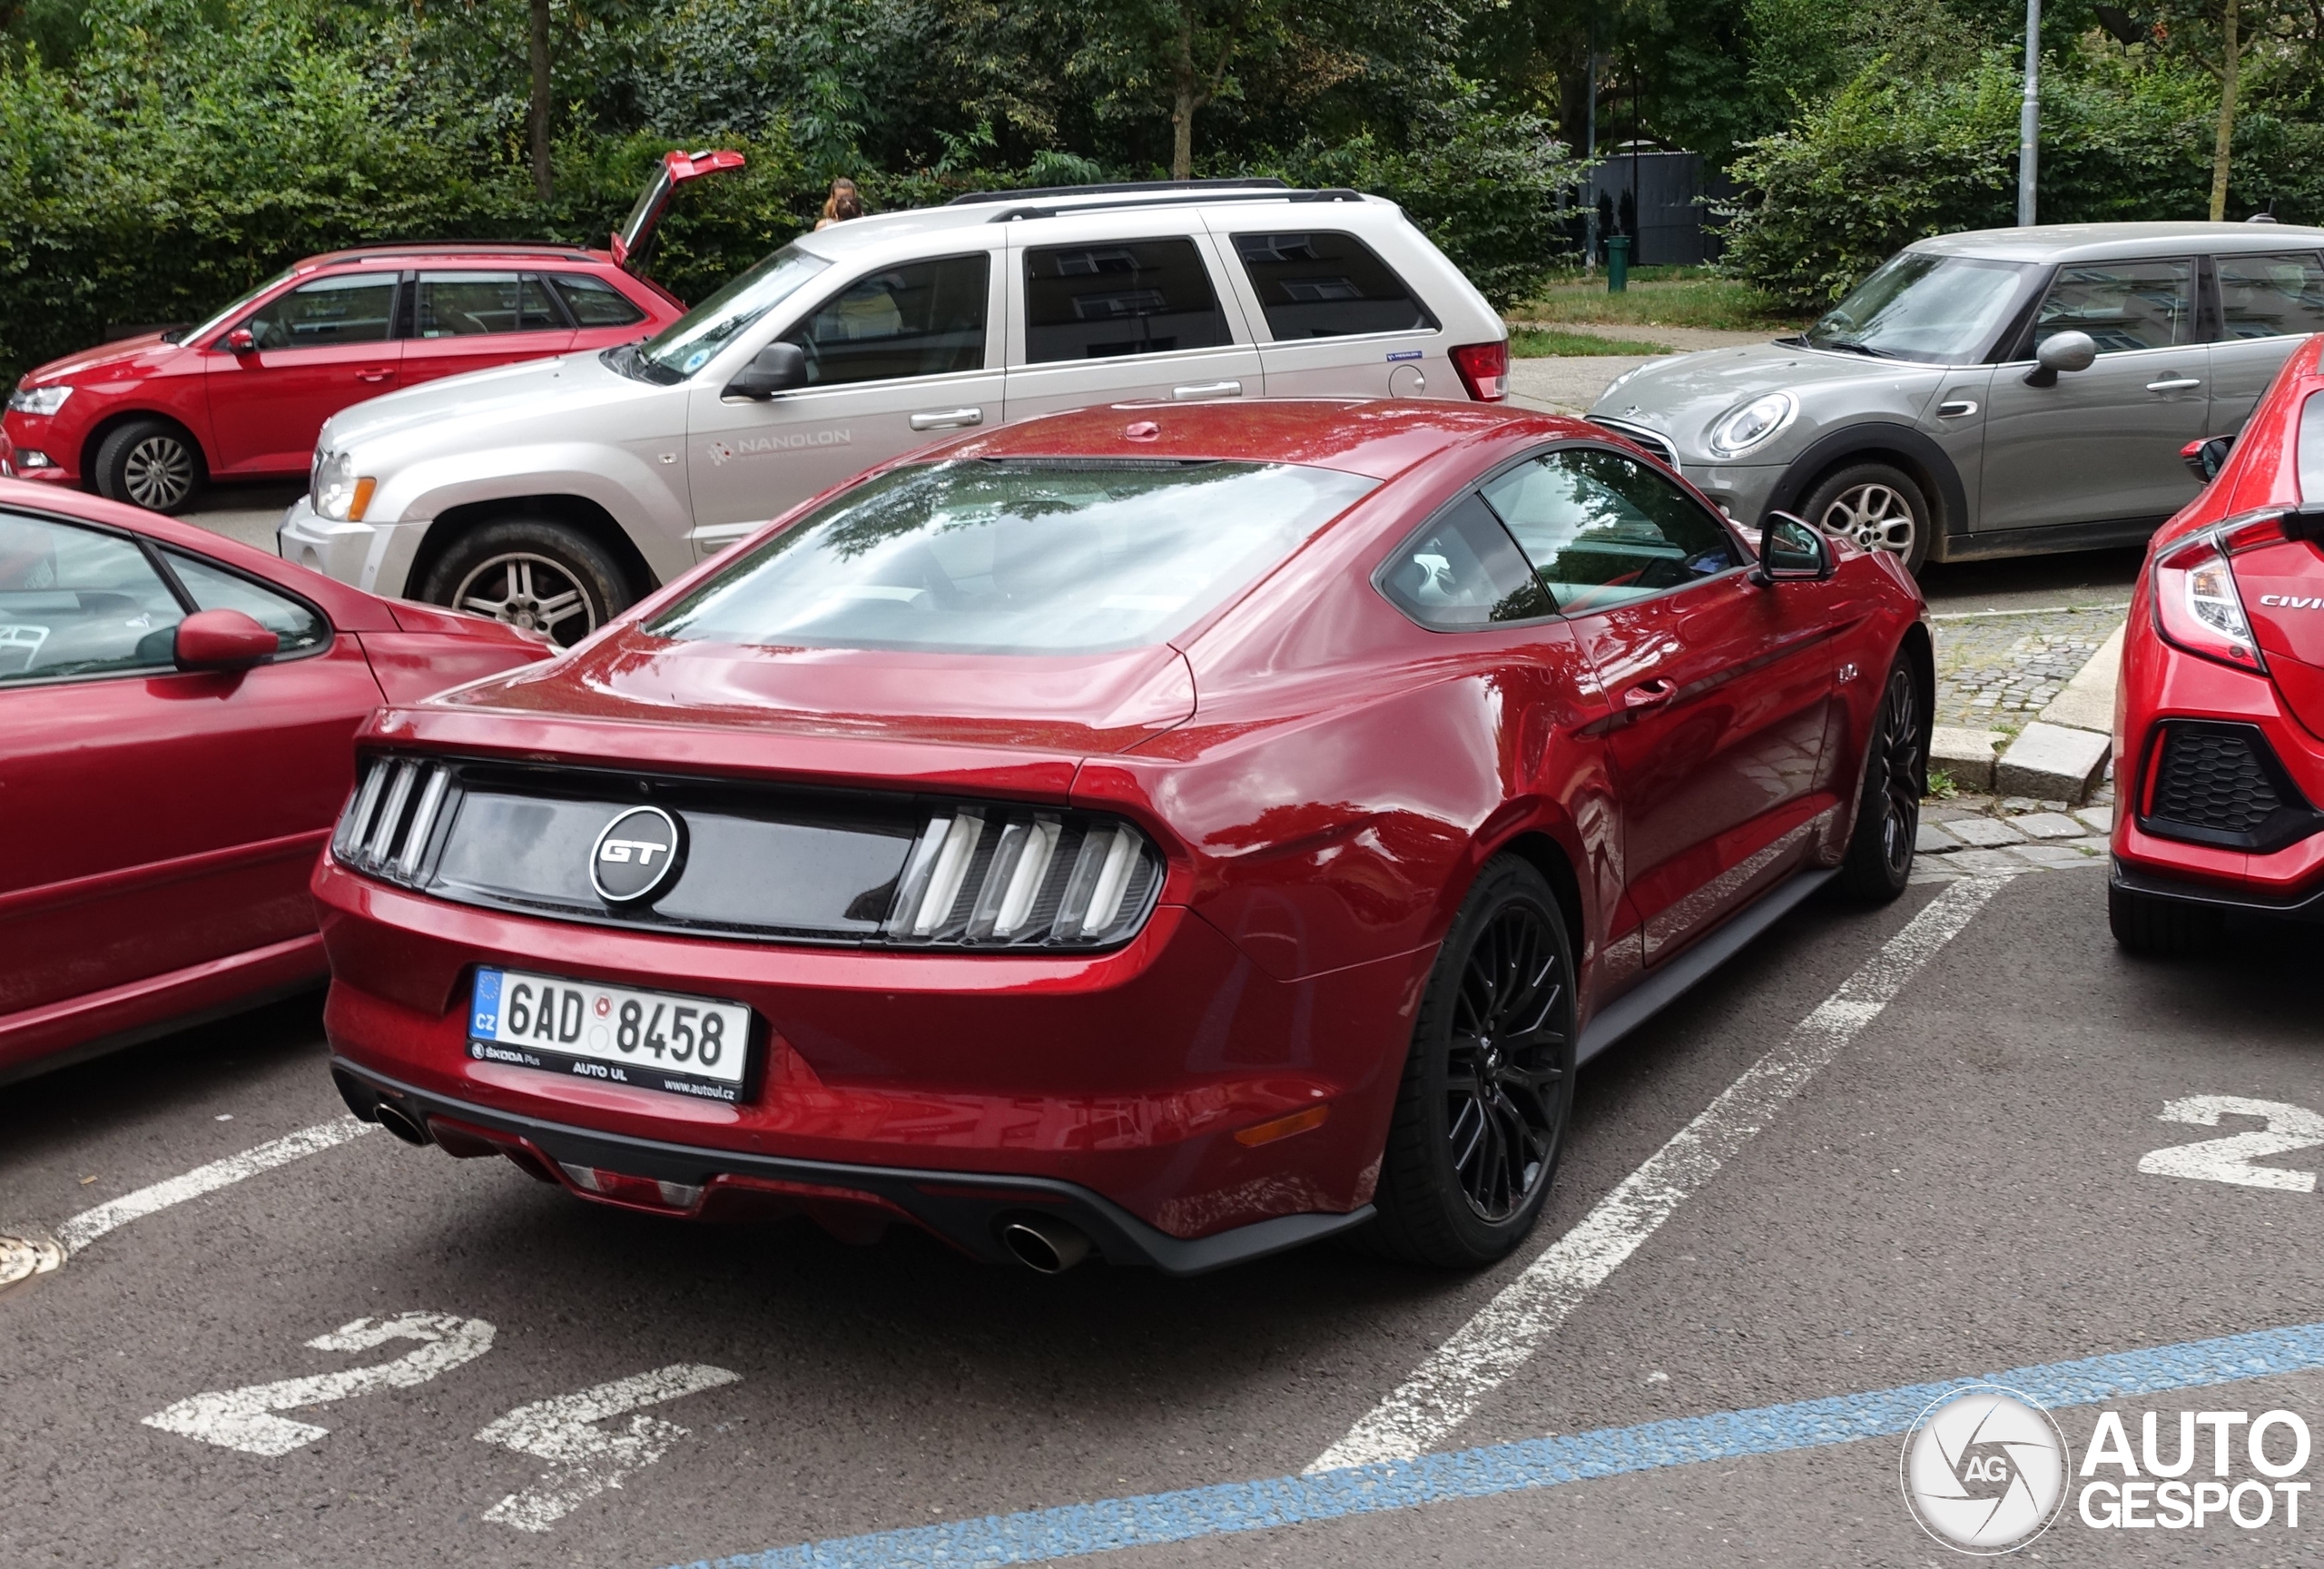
[[1177, 833], [176, 719], [2218, 724], [151, 420]]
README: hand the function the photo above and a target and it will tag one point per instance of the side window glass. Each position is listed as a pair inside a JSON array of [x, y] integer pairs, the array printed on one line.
[[1604, 529], [593, 302], [2122, 305], [1462, 572], [346, 307], [471, 304], [922, 320], [1118, 297], [2270, 296], [212, 587], [73, 602], [1319, 284]]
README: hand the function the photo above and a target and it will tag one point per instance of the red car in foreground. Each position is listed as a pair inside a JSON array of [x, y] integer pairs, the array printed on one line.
[[2219, 725], [177, 714], [151, 420], [1172, 832]]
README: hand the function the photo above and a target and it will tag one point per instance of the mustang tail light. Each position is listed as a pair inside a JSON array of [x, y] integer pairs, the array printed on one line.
[[2196, 606], [390, 820], [1484, 369], [997, 876]]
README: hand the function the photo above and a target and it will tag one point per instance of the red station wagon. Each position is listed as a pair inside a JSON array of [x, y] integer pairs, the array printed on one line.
[[151, 420]]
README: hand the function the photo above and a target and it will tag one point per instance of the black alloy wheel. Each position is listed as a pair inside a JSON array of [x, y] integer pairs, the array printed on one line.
[[1879, 859], [149, 463], [1488, 1090]]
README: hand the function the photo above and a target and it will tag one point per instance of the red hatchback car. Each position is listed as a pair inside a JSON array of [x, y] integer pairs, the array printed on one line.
[[151, 420], [2219, 727], [176, 719], [1177, 833]]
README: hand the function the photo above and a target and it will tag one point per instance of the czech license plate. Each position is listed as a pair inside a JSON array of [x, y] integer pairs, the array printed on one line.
[[665, 1040]]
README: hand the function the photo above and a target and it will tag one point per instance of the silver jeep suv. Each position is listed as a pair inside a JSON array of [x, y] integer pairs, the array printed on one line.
[[554, 493], [1998, 393]]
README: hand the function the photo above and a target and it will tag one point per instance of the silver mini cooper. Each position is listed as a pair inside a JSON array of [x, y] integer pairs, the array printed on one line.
[[1998, 393]]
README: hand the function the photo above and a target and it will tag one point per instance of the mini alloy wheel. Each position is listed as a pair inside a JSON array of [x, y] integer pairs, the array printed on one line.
[[530, 591], [1874, 516]]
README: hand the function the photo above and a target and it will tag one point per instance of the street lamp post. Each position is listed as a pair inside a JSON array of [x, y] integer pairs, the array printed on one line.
[[2029, 116]]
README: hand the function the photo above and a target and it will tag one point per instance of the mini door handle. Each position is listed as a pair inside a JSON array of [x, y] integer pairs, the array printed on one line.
[[1960, 407], [2174, 384], [948, 417], [1648, 693], [1209, 389], [377, 373]]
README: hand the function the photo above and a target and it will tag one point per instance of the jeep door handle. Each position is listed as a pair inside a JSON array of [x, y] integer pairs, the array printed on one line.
[[1959, 407], [945, 419], [2174, 384], [1650, 694], [375, 373], [1209, 389]]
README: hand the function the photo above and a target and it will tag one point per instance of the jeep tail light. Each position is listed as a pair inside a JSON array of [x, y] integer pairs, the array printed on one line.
[[1011, 877], [2197, 607], [1484, 369]]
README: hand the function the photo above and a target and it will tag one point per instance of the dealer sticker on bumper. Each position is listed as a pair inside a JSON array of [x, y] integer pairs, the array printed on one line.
[[652, 1040]]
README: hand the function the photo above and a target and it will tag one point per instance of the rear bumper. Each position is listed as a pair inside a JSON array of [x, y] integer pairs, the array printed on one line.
[[966, 1209]]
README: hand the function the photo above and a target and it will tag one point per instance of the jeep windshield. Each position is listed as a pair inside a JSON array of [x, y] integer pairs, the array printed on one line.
[[1017, 556], [689, 343], [1941, 310]]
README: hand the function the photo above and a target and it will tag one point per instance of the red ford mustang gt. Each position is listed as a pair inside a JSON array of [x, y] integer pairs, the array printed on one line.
[[176, 719], [2218, 728], [1177, 833]]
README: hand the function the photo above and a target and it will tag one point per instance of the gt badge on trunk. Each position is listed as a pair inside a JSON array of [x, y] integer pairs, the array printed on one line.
[[636, 857]]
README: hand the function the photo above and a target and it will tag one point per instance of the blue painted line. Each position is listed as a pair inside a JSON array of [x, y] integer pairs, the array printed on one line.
[[1078, 1530]]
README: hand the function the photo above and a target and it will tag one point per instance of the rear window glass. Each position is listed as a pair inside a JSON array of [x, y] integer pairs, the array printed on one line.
[[1318, 284], [593, 302], [1027, 556], [1118, 297], [472, 304]]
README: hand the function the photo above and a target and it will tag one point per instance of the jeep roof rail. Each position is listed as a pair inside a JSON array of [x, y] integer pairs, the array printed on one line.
[[1337, 193], [1118, 188]]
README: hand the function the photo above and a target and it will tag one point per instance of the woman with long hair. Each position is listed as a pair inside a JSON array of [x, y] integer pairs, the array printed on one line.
[[841, 205]]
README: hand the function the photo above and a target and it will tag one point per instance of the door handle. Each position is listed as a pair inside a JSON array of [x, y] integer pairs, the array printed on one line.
[[946, 419], [1959, 409], [1209, 389], [375, 373], [2174, 384], [1650, 694]]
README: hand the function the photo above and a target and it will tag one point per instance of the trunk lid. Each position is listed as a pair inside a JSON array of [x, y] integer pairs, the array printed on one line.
[[677, 168], [2282, 586]]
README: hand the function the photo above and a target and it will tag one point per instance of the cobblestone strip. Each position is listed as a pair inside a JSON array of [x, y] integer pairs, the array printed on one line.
[[1997, 671]]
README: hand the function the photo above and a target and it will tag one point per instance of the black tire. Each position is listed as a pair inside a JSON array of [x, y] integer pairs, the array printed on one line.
[[1465, 1173], [149, 463], [1878, 505], [532, 572], [2163, 928], [1879, 859]]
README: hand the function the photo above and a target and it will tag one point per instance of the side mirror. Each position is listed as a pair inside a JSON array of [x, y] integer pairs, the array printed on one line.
[[2067, 351], [2205, 458], [241, 340], [1793, 550], [223, 640], [777, 367]]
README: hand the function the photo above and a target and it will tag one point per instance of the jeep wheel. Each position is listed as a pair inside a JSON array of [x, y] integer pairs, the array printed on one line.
[[542, 576]]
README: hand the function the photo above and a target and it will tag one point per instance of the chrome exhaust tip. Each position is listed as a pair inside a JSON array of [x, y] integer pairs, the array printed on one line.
[[1044, 1246], [402, 1124]]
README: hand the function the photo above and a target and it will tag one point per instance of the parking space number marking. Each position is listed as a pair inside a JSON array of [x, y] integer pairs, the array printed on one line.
[[585, 1460], [244, 1418], [2229, 1159]]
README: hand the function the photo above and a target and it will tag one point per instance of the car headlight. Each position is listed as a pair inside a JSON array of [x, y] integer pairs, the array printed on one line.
[[1746, 427], [38, 399], [337, 491]]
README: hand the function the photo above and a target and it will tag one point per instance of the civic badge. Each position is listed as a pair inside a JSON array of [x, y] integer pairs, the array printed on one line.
[[636, 857]]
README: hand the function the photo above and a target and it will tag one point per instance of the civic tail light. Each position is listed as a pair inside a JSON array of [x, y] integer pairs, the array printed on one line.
[[390, 821], [1003, 877], [2196, 606], [1484, 369]]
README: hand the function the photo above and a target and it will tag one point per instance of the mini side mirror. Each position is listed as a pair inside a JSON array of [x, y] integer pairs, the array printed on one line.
[[777, 367], [223, 640], [2205, 458], [241, 340], [1793, 550], [2067, 351]]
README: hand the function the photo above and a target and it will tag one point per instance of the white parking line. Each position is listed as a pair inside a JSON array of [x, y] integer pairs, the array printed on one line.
[[91, 1224], [1445, 1390]]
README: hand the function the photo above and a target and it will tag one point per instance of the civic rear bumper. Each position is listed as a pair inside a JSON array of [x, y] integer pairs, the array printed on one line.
[[966, 1209]]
